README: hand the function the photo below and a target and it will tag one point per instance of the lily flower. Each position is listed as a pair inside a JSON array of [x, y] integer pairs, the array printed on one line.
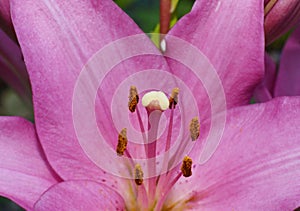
[[285, 82], [280, 16], [258, 156]]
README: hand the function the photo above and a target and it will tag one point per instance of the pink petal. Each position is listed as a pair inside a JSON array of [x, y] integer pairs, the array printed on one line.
[[5, 20], [57, 39], [4, 11], [284, 15], [80, 195], [256, 166], [289, 70], [230, 34], [264, 91], [12, 67], [24, 171]]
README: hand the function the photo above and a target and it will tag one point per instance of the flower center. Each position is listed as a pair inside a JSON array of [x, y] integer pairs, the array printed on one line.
[[151, 193]]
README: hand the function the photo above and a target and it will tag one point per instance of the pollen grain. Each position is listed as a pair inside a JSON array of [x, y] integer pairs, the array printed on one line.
[[186, 167], [195, 128], [173, 100], [138, 174], [122, 142], [133, 99]]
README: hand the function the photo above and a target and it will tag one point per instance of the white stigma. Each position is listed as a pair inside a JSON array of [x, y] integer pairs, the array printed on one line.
[[155, 100]]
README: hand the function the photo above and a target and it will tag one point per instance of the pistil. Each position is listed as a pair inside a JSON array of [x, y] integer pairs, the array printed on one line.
[[156, 103]]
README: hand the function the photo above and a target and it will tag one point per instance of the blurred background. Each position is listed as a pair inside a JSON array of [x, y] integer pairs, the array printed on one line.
[[144, 12]]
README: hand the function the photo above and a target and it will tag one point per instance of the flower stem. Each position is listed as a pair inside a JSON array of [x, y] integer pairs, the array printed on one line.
[[165, 16]]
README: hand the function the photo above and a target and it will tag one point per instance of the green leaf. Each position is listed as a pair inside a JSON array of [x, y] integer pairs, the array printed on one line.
[[174, 5], [124, 3]]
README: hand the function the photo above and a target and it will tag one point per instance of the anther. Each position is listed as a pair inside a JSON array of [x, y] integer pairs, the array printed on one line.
[[138, 174], [194, 128], [173, 100], [155, 100], [122, 142], [133, 98], [186, 167]]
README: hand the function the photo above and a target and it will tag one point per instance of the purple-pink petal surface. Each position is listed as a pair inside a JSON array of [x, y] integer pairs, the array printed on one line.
[[80, 195], [287, 82], [256, 166], [80, 29], [24, 171], [223, 31], [264, 91]]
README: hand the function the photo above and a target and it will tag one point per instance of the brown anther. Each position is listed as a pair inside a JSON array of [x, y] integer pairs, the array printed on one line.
[[186, 167], [138, 174], [173, 100], [122, 142], [133, 98], [194, 128]]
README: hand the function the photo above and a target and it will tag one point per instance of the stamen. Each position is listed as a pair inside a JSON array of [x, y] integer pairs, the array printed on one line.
[[173, 100], [195, 128], [155, 100], [186, 167], [122, 142], [138, 174], [133, 99], [166, 189]]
